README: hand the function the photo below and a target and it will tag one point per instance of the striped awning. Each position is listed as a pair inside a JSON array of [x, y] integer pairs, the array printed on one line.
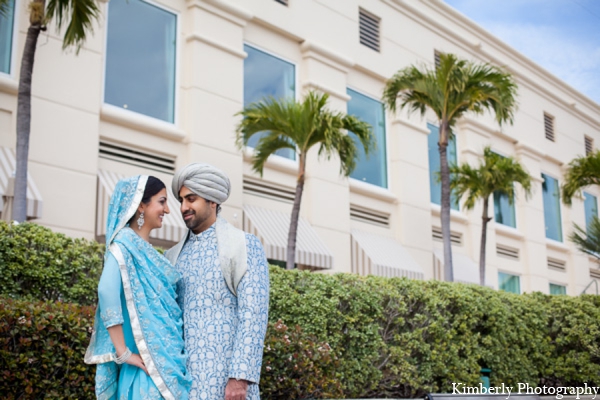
[[173, 228], [464, 269], [272, 228], [8, 164], [382, 256]]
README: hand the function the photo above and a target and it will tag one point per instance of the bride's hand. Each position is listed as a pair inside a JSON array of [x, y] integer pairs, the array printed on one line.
[[136, 360]]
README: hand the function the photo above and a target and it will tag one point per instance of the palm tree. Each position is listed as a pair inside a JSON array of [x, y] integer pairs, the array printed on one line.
[[495, 174], [78, 16], [582, 172], [450, 90], [287, 124]]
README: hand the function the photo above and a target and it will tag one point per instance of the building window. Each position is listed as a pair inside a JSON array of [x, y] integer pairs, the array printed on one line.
[[504, 211], [557, 289], [140, 58], [6, 36], [434, 164], [590, 204], [509, 283], [552, 218], [368, 26], [268, 76], [589, 145], [549, 126], [374, 168]]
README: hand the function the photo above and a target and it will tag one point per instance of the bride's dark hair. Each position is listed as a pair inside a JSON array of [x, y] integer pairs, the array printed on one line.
[[153, 186]]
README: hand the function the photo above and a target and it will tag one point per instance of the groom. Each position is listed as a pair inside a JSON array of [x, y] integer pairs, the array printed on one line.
[[223, 291]]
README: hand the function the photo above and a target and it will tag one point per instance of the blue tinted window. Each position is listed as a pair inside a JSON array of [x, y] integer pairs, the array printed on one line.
[[267, 76], [550, 190], [509, 283], [434, 164], [140, 58], [504, 212], [374, 168], [557, 289], [591, 208], [6, 37]]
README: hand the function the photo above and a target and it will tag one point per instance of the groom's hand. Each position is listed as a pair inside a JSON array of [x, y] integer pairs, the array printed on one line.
[[236, 390]]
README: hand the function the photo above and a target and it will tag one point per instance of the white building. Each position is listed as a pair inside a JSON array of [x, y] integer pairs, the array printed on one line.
[[157, 86]]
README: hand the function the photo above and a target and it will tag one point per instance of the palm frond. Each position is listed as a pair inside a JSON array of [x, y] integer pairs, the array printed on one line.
[[494, 174], [5, 8], [78, 15], [587, 241], [452, 89], [303, 125], [582, 172]]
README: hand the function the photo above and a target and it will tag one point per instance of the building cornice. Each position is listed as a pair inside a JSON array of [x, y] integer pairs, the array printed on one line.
[[456, 17], [141, 122], [8, 84], [326, 56], [231, 12], [221, 46]]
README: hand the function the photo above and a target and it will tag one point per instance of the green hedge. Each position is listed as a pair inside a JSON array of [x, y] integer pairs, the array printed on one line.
[[329, 336], [38, 264]]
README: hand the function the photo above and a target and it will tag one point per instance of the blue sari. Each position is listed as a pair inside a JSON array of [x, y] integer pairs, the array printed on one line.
[[151, 318]]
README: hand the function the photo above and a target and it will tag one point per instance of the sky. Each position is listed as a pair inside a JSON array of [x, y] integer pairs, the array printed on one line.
[[562, 36]]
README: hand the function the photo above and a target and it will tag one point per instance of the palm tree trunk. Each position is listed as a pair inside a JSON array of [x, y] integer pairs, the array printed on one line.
[[445, 211], [291, 247], [24, 109], [485, 220]]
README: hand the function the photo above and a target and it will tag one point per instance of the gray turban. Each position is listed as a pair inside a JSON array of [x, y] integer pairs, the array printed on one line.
[[205, 180]]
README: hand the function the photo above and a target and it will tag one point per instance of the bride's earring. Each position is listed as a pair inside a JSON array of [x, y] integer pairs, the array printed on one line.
[[140, 220]]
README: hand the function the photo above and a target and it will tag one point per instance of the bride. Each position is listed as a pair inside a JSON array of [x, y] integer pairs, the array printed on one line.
[[137, 340]]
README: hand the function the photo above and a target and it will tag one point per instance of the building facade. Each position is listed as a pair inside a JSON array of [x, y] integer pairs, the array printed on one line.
[[158, 85]]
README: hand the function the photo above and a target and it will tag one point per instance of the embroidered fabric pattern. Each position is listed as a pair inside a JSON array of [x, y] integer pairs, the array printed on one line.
[[224, 335], [111, 317]]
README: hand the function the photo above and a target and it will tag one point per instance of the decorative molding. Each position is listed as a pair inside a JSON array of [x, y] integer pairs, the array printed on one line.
[[532, 152], [455, 216], [231, 12], [361, 68], [508, 231], [8, 84], [275, 162], [369, 190], [327, 56], [140, 122], [558, 246], [221, 46], [326, 89], [411, 125]]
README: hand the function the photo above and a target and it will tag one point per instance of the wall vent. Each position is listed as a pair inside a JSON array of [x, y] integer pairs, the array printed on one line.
[[437, 58], [549, 126], [595, 273], [589, 145], [369, 29], [374, 217], [269, 190], [507, 252], [455, 237], [557, 265], [284, 2], [127, 155]]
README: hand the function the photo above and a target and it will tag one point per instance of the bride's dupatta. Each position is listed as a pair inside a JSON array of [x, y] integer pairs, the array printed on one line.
[[149, 284]]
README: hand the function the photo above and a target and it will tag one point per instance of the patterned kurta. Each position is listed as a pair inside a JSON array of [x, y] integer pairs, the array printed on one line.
[[224, 334]]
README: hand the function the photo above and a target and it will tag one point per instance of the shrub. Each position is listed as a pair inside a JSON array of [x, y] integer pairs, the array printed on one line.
[[297, 366], [42, 345], [38, 264]]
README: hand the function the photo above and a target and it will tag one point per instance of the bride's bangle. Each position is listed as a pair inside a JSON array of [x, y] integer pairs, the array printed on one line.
[[124, 357]]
